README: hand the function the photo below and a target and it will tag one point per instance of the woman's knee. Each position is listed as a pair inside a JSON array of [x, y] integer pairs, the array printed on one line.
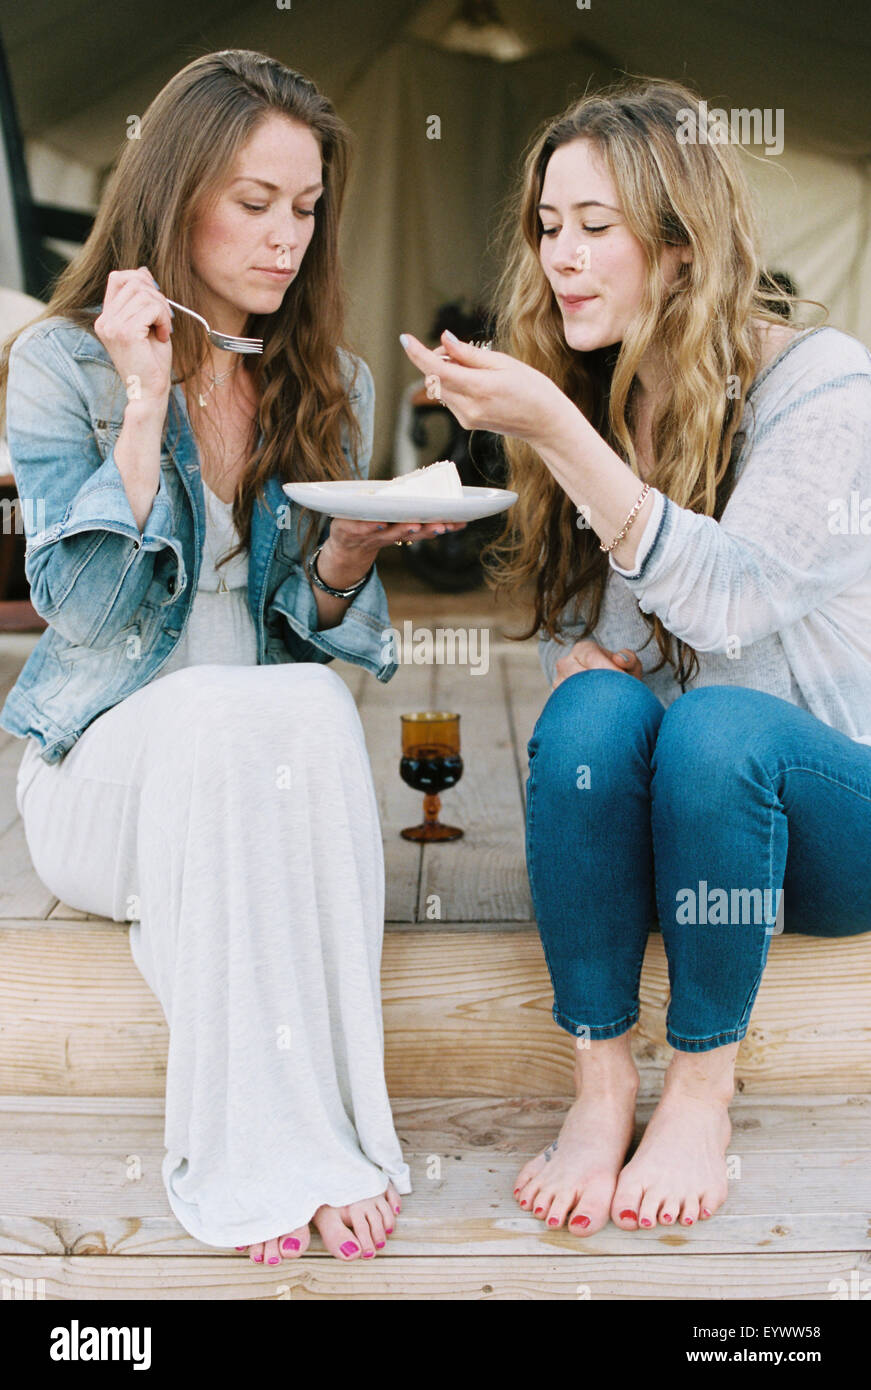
[[707, 733], [602, 719], [213, 693]]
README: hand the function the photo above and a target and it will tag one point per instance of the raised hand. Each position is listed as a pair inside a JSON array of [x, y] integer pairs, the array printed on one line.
[[487, 390], [134, 327]]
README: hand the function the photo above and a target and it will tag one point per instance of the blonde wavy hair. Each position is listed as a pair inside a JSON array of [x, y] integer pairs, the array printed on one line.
[[671, 194], [189, 138]]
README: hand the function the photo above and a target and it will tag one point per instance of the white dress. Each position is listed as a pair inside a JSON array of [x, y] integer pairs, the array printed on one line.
[[227, 811]]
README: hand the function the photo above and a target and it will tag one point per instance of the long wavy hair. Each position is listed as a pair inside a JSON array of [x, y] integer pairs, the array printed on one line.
[[671, 194], [189, 137]]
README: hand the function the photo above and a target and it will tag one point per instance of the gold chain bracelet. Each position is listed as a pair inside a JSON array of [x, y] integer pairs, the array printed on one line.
[[629, 520]]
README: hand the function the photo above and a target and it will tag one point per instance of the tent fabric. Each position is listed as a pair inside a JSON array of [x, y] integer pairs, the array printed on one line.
[[423, 213]]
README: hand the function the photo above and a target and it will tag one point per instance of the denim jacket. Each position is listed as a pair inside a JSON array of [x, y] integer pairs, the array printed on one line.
[[117, 599]]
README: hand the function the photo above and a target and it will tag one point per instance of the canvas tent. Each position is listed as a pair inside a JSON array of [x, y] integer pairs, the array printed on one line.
[[422, 211]]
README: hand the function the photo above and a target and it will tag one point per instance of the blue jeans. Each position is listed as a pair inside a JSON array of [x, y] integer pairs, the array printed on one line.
[[722, 820]]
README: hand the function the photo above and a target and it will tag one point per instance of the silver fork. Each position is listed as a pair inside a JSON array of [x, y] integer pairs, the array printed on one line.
[[222, 340]]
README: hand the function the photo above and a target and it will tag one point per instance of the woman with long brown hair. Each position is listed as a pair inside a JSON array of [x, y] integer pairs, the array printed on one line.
[[192, 765], [693, 474]]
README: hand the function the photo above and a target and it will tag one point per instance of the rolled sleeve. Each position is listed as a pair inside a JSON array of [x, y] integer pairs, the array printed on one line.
[[362, 637], [87, 564]]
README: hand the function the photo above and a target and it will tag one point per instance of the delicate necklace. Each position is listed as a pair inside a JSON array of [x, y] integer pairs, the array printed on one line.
[[216, 381]]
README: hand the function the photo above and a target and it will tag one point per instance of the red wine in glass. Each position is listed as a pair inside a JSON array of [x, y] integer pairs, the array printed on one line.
[[431, 763]]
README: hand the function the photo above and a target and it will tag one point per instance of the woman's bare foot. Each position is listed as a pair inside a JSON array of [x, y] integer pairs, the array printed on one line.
[[364, 1225], [286, 1247], [359, 1230], [678, 1173], [576, 1176]]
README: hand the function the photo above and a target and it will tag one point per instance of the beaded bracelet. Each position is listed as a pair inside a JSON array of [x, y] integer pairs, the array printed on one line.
[[311, 568], [629, 520]]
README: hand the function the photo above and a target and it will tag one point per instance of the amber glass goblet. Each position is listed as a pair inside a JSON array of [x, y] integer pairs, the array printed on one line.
[[431, 763]]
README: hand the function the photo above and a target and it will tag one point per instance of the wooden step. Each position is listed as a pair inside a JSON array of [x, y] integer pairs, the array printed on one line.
[[796, 1216], [78, 1019], [464, 977]]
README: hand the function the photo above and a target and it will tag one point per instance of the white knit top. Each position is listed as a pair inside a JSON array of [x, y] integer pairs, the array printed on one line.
[[220, 627], [777, 594]]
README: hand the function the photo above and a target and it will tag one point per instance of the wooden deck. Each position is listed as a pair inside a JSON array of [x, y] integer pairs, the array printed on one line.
[[479, 1074]]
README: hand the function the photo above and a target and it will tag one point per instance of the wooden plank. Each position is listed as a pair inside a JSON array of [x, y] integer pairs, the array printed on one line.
[[481, 877], [11, 753], [70, 994], [380, 708], [773, 1124], [455, 1279], [22, 894], [79, 1019], [15, 648], [88, 1199], [527, 693], [64, 913], [574, 1277]]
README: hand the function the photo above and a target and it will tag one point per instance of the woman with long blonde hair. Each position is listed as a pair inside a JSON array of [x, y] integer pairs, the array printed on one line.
[[192, 765], [694, 480]]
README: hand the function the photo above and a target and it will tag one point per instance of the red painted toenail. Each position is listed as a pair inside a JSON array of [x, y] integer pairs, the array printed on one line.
[[389, 1230], [645, 1222], [666, 1218], [553, 1221], [705, 1211], [538, 1211], [349, 1248], [628, 1215], [580, 1221], [688, 1221], [290, 1243]]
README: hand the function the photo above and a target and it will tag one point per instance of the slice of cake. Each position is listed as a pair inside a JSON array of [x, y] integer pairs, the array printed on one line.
[[439, 479]]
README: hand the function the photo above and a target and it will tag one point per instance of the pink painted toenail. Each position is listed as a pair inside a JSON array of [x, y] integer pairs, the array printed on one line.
[[645, 1222], [241, 1247], [290, 1243], [273, 1260], [389, 1230], [396, 1209], [349, 1248], [580, 1221], [258, 1259], [380, 1244], [368, 1254]]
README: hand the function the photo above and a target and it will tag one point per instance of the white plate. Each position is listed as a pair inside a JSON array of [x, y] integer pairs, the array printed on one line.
[[353, 501]]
